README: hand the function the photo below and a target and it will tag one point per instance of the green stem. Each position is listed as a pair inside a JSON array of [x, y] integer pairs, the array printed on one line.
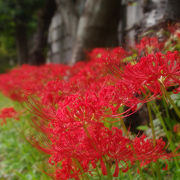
[[97, 170], [109, 174], [154, 140], [124, 127], [154, 177], [166, 108], [120, 174], [158, 170], [83, 175], [172, 146], [109, 171], [127, 134], [138, 164], [170, 100], [167, 113], [158, 113], [173, 104], [140, 170], [129, 173], [151, 124]]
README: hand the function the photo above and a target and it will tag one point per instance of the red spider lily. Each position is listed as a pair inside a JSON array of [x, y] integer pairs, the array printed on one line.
[[176, 128], [79, 142], [149, 45], [80, 146], [152, 71], [27, 80], [111, 59], [9, 112], [72, 106], [146, 152]]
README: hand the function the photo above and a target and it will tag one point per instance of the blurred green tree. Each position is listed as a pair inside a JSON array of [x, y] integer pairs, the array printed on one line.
[[20, 21]]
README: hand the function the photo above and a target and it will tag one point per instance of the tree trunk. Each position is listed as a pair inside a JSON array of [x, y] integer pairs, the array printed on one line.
[[155, 15], [160, 12], [21, 43], [69, 15], [37, 54], [173, 10], [97, 27]]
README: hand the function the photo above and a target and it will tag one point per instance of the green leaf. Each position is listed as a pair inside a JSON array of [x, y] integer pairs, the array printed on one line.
[[143, 128]]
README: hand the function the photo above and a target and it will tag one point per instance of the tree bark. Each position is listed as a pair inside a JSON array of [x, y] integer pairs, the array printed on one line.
[[160, 12], [97, 27], [173, 10], [69, 15], [21, 43], [37, 54]]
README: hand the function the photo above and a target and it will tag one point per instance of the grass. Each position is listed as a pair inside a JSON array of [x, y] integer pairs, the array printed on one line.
[[18, 159]]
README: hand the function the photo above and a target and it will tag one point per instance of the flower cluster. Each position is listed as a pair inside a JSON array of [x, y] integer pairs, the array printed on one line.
[[75, 107], [153, 71], [28, 80], [8, 113]]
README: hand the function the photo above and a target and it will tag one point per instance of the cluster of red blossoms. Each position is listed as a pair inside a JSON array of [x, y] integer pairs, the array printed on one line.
[[75, 107], [8, 113]]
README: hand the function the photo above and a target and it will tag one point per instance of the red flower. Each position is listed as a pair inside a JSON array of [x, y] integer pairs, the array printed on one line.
[[9, 112], [152, 71], [148, 45]]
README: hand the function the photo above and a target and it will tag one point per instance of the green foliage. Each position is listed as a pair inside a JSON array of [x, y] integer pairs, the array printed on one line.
[[12, 14], [143, 128], [7, 53], [19, 160], [17, 12]]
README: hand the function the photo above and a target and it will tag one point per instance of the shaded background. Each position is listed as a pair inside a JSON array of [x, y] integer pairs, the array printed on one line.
[[61, 31]]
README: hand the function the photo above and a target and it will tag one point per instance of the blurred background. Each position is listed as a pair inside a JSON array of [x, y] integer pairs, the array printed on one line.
[[62, 31]]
